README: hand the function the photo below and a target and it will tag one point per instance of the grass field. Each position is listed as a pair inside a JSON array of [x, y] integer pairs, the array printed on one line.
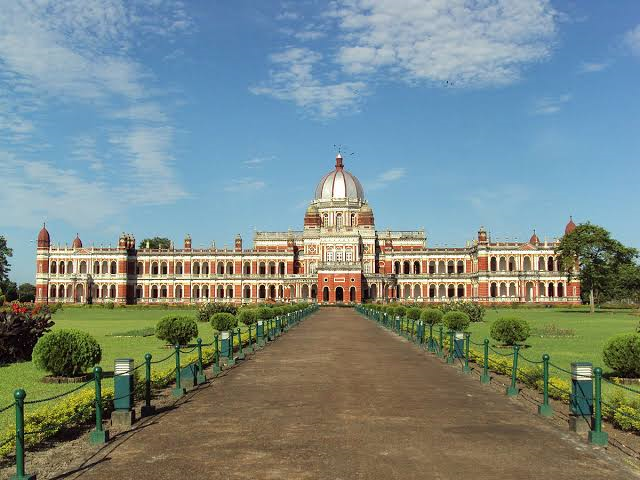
[[585, 344]]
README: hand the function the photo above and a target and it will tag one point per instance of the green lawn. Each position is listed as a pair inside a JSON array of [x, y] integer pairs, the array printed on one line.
[[100, 323], [591, 332]]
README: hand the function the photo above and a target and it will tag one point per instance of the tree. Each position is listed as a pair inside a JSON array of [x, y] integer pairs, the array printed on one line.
[[5, 253], [597, 257], [9, 290], [26, 292], [156, 243]]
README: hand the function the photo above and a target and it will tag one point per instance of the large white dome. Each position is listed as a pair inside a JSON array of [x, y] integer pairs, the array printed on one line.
[[339, 184]]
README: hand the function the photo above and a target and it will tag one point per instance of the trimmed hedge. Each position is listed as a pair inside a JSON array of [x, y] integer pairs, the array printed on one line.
[[177, 330], [413, 313], [248, 316], [66, 353], [265, 313], [510, 330], [431, 316]]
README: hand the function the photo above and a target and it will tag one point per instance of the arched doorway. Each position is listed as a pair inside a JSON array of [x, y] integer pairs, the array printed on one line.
[[305, 292], [373, 292], [352, 294], [79, 293], [325, 294], [339, 294]]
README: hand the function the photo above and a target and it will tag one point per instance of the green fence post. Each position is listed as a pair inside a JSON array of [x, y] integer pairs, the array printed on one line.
[[216, 356], [545, 409], [467, 338], [231, 360], [240, 351], [178, 391], [441, 346], [430, 347], [250, 346], [99, 435], [413, 324], [596, 435], [450, 357], [512, 390], [19, 396], [485, 378], [147, 408], [201, 376]]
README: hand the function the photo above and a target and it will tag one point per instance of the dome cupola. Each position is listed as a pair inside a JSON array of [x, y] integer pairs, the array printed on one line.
[[339, 184], [77, 243], [534, 240], [570, 226], [44, 241]]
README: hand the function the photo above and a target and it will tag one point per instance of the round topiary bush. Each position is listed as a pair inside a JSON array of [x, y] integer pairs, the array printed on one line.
[[431, 316], [456, 321], [265, 313], [66, 353], [413, 313], [510, 330], [248, 316], [176, 330], [277, 311], [621, 354], [223, 321]]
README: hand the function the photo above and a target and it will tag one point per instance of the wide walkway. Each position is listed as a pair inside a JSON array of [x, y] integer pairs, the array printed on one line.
[[340, 398]]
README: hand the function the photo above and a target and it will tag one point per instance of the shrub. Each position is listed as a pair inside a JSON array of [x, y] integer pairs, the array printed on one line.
[[66, 353], [176, 330], [265, 313], [413, 313], [474, 310], [277, 311], [456, 320], [400, 311], [431, 316], [109, 305], [207, 310], [248, 316], [223, 321], [20, 329], [510, 330], [621, 354]]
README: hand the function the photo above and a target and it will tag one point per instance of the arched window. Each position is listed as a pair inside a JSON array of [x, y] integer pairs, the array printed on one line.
[[541, 264], [432, 291], [196, 268], [442, 291], [339, 221], [229, 291], [105, 291], [196, 292], [105, 268], [163, 268], [272, 291], [406, 269], [432, 266], [54, 267], [353, 219], [112, 291], [272, 268], [61, 268], [550, 265], [512, 289], [138, 291], [139, 268], [494, 290], [205, 268], [220, 291], [451, 291], [325, 294], [550, 290], [560, 291], [450, 267], [178, 293], [441, 267], [52, 291], [205, 291], [416, 267], [163, 291], [417, 291], [246, 291], [512, 264], [526, 264], [502, 265], [262, 292], [114, 268], [83, 267], [460, 290], [396, 267], [314, 291], [96, 268], [281, 268], [220, 268], [154, 268], [178, 268], [246, 269], [493, 264], [262, 269], [325, 219], [229, 268]]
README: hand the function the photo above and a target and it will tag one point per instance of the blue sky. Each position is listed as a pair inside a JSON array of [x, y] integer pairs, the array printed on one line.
[[218, 117]]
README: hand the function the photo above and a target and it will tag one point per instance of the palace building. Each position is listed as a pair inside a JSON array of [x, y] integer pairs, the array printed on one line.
[[338, 256]]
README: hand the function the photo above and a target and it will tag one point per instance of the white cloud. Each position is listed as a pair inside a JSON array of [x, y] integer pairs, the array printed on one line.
[[509, 197], [256, 162], [386, 177], [592, 67], [244, 185], [442, 42], [632, 40], [550, 105], [293, 79]]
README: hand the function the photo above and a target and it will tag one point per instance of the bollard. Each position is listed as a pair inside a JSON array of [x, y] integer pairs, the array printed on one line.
[[99, 435], [201, 378], [216, 356], [240, 351], [512, 390], [451, 352], [430, 344], [178, 391], [441, 346], [231, 360], [19, 396], [147, 408], [545, 409], [485, 378], [596, 435], [458, 345], [260, 334], [467, 338], [581, 397], [250, 344], [123, 390]]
